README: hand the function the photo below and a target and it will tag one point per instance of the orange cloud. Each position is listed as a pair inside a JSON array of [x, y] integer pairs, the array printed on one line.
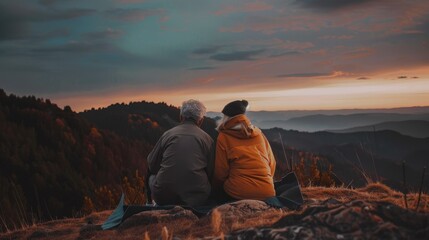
[[248, 7], [359, 53], [337, 37]]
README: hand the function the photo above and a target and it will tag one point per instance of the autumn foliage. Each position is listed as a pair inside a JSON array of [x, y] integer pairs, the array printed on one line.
[[51, 158], [106, 197], [311, 169]]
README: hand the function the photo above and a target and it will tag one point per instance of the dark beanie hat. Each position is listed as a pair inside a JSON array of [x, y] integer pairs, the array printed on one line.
[[235, 108]]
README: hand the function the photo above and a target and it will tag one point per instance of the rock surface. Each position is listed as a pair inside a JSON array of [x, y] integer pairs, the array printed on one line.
[[353, 220], [374, 212]]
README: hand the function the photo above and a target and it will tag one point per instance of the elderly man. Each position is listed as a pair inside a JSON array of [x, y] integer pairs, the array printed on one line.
[[182, 160]]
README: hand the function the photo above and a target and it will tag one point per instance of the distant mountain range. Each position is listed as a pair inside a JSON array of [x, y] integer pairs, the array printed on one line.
[[374, 153], [414, 128], [348, 120], [313, 123], [288, 114]]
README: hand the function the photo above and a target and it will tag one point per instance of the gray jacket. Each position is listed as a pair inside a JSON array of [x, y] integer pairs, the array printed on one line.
[[183, 162]]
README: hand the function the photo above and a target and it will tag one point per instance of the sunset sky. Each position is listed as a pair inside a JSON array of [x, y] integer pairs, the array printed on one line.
[[277, 54]]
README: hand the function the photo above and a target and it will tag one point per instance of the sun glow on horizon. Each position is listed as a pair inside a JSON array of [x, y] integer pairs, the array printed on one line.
[[338, 96], [344, 94]]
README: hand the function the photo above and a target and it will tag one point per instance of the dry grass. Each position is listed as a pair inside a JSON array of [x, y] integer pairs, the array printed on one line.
[[165, 235], [219, 223], [64, 229], [264, 219], [146, 236], [216, 221], [372, 192]]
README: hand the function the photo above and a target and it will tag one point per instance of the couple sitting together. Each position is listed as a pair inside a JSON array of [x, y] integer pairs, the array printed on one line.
[[187, 168]]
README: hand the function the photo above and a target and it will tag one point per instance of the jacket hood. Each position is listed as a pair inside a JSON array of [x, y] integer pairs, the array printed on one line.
[[240, 127]]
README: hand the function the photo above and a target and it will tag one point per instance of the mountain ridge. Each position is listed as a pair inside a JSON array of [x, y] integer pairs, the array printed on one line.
[[286, 114], [414, 128], [378, 154], [321, 122]]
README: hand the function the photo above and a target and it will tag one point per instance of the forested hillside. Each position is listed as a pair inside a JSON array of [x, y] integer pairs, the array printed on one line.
[[51, 158], [141, 120]]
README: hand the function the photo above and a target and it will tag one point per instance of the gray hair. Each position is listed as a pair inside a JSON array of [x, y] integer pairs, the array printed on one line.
[[193, 109]]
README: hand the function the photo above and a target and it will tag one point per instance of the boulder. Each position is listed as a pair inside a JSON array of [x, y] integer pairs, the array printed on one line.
[[352, 220]]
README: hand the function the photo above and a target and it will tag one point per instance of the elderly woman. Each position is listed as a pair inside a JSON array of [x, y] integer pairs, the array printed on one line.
[[181, 159], [244, 164]]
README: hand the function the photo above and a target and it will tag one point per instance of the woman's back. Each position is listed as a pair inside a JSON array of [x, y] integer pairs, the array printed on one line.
[[244, 163]]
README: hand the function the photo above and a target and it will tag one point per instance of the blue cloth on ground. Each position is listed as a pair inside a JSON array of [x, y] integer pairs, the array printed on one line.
[[288, 194]]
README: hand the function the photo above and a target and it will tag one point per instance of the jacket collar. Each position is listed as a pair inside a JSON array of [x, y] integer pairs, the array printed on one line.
[[239, 126], [188, 121]]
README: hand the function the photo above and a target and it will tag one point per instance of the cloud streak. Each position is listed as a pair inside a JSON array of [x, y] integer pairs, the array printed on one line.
[[76, 47], [108, 33], [207, 50], [247, 7], [202, 68], [15, 19], [133, 14], [237, 55], [331, 4], [303, 75], [289, 53]]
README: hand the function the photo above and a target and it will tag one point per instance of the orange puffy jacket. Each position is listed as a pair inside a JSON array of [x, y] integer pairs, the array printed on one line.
[[244, 163]]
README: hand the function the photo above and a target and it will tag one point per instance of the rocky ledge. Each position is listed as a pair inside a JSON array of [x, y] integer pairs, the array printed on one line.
[[373, 212]]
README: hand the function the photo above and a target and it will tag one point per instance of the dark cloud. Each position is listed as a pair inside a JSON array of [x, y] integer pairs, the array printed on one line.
[[33, 14], [207, 50], [330, 4], [106, 53], [415, 77], [15, 19], [12, 29], [201, 68], [363, 78], [423, 27], [237, 56], [304, 75], [43, 36], [105, 34], [402, 77], [13, 23], [76, 47], [132, 14], [47, 2], [285, 54], [61, 32]]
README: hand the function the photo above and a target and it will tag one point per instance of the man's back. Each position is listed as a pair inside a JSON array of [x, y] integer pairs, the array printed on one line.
[[181, 160]]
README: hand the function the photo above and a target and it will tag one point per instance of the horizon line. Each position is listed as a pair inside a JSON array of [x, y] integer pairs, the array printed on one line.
[[174, 105]]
